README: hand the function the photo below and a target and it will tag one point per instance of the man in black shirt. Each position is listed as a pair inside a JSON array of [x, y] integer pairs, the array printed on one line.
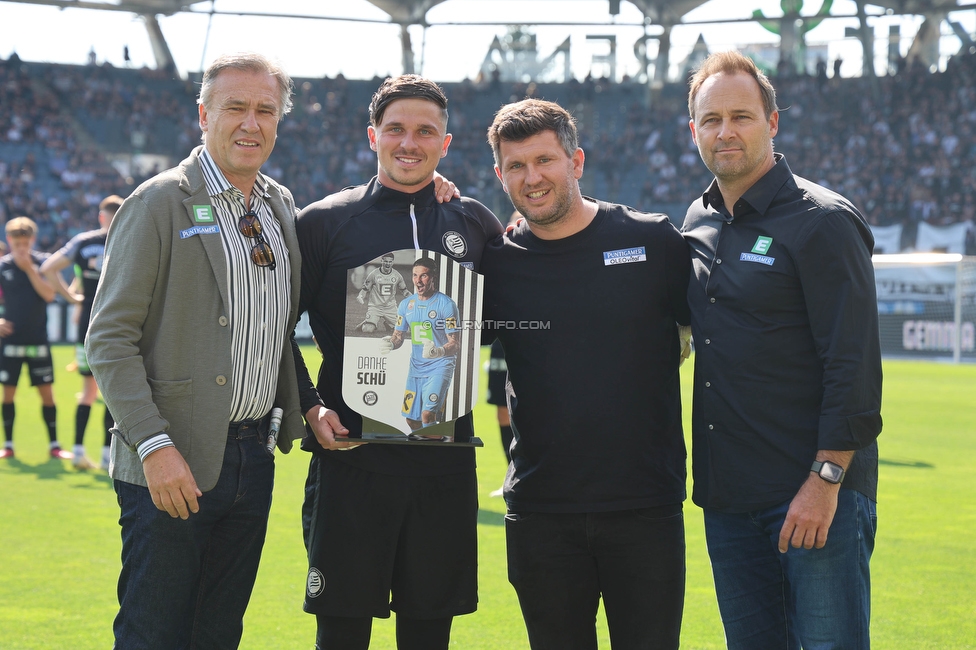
[[585, 296], [23, 330], [787, 378], [387, 518], [85, 251]]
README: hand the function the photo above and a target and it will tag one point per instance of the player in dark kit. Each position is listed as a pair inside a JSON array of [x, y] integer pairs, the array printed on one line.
[[376, 517], [85, 251], [23, 330], [496, 396]]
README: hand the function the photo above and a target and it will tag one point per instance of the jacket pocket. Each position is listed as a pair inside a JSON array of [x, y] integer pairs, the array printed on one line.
[[174, 399]]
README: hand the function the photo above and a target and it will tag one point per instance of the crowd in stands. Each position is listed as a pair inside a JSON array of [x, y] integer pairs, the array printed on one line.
[[901, 147]]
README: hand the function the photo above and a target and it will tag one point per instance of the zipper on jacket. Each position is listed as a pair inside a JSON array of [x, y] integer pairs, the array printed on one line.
[[413, 221]]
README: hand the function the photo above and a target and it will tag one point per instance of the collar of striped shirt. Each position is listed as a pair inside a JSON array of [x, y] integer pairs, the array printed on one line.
[[217, 183]]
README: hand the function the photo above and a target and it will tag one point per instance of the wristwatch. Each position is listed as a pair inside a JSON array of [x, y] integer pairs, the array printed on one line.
[[828, 471]]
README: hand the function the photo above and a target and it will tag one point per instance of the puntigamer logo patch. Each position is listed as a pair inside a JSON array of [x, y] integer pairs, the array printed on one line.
[[624, 256], [199, 230]]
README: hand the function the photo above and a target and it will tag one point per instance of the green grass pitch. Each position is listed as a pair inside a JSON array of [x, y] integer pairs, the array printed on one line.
[[59, 535]]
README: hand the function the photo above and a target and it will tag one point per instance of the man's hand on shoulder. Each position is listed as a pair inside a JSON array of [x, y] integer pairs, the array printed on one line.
[[445, 190], [171, 483]]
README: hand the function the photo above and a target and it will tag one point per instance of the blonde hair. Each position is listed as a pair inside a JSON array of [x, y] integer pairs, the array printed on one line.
[[17, 226]]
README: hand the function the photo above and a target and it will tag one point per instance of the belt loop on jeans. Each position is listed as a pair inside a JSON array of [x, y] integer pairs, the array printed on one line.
[[249, 428]]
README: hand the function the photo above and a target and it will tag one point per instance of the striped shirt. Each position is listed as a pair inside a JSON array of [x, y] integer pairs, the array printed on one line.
[[260, 299]]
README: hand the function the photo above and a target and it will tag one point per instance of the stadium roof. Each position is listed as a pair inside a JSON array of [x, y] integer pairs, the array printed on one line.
[[414, 11], [404, 13]]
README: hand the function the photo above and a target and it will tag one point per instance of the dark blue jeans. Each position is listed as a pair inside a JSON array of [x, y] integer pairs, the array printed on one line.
[[186, 583], [560, 565], [819, 599]]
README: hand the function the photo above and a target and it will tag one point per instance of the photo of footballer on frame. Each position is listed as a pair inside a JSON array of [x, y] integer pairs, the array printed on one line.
[[411, 354]]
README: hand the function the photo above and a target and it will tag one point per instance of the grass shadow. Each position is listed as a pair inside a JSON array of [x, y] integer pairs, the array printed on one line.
[[490, 517], [919, 464], [50, 469], [55, 470], [98, 477]]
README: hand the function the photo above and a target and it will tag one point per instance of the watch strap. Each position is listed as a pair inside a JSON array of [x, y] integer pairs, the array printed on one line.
[[818, 467]]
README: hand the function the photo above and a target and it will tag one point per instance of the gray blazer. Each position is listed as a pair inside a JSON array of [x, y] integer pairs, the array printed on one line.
[[159, 344]]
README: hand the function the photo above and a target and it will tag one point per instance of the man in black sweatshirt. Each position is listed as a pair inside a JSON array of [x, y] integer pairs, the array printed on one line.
[[586, 297], [383, 518]]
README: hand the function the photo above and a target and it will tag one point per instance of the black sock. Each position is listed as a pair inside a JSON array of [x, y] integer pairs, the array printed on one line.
[[8, 420], [50, 415], [81, 422], [342, 632], [507, 436], [109, 423], [423, 633]]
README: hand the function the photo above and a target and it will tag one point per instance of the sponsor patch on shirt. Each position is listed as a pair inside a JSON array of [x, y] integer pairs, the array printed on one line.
[[752, 257], [762, 245], [200, 230], [624, 256], [203, 214]]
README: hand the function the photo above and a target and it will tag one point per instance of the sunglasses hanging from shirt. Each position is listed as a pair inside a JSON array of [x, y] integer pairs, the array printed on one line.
[[261, 253]]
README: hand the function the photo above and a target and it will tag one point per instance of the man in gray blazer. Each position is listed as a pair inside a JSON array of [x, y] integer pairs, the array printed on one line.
[[190, 343]]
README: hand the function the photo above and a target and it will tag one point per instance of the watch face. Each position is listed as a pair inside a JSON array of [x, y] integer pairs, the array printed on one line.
[[831, 472]]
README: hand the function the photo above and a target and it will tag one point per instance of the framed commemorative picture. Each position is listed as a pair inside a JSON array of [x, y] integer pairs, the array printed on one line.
[[411, 351]]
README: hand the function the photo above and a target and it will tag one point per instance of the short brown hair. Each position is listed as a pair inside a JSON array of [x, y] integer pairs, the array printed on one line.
[[21, 227], [429, 264], [522, 120], [731, 62], [406, 86]]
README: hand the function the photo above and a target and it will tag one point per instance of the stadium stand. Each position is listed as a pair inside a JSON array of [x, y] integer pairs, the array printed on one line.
[[901, 147]]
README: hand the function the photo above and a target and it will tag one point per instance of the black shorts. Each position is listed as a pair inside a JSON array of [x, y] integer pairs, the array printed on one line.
[[37, 358], [370, 534], [497, 376]]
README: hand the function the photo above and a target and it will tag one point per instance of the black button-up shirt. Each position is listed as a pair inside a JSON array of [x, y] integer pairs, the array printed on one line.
[[788, 358]]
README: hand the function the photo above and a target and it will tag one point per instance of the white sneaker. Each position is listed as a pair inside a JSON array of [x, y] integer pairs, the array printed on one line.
[[82, 462]]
